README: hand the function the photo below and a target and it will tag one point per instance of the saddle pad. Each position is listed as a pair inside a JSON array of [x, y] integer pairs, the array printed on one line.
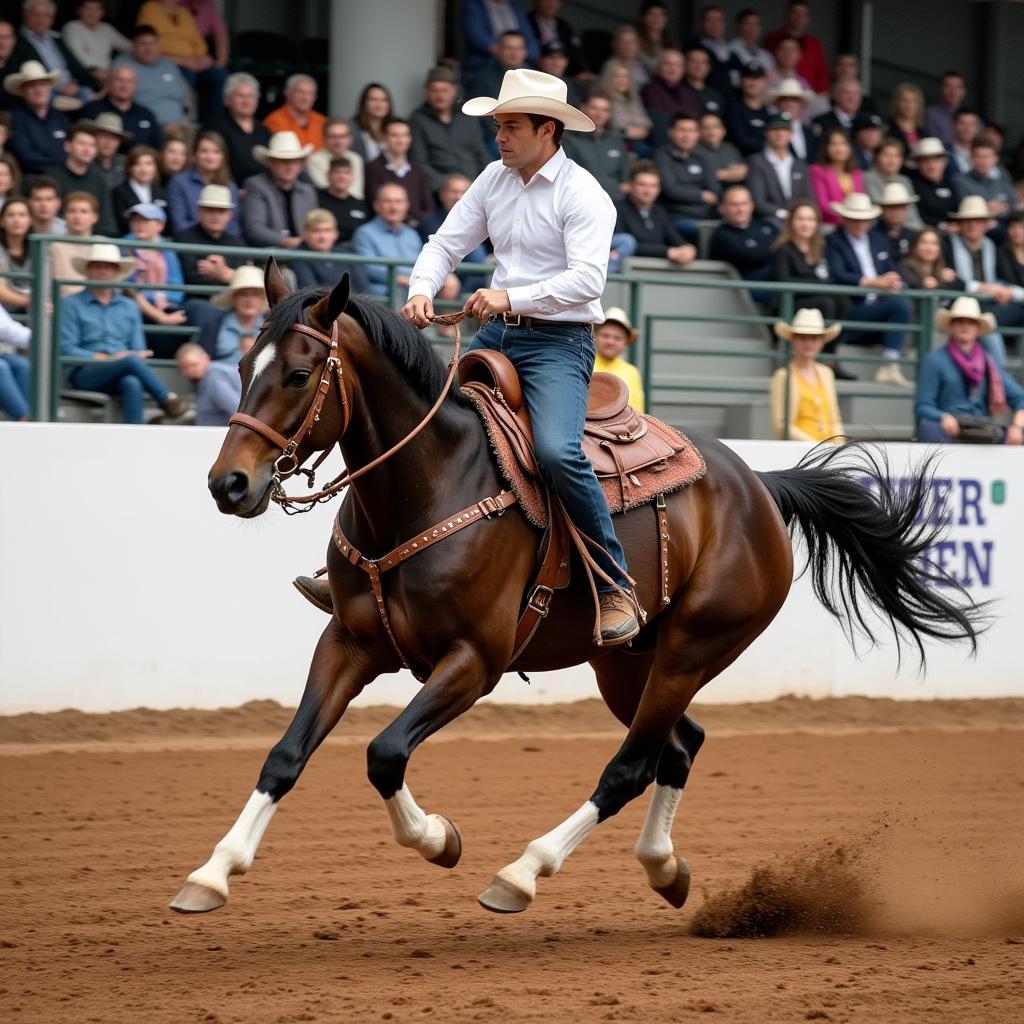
[[645, 485]]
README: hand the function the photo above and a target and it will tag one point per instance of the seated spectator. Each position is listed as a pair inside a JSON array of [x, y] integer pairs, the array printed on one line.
[[10, 179], [338, 143], [210, 22], [44, 206], [216, 210], [711, 38], [746, 113], [847, 66], [141, 185], [788, 53], [654, 34], [110, 136], [373, 109], [938, 117], [602, 151], [38, 130], [885, 170], [896, 204], [394, 164], [746, 45], [906, 116], [846, 104], [858, 254], [966, 128], [744, 240], [834, 175], [15, 226], [626, 48], [722, 155], [641, 218], [218, 385], [628, 114], [276, 202], [610, 341], [511, 53], [930, 181], [209, 167], [237, 125], [92, 40], [924, 266], [963, 380], [775, 176], [349, 212], [813, 66], [296, 114], [239, 312], [320, 234], [38, 42], [174, 155], [666, 93], [452, 190], [1010, 257], [549, 28], [388, 235], [689, 190], [159, 84], [81, 213], [554, 61], [698, 70], [103, 326], [138, 121], [986, 179], [790, 97], [79, 173], [14, 367], [811, 412], [8, 65], [866, 135], [484, 22]]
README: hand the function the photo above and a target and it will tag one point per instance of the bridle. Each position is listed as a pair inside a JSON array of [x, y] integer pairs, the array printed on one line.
[[287, 464]]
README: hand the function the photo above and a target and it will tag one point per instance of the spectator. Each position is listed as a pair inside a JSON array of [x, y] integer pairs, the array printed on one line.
[[961, 382], [210, 22], [846, 103], [38, 130], [640, 216], [790, 97], [14, 367], [444, 140], [209, 167], [812, 66], [393, 164], [101, 325], [160, 86], [15, 225], [38, 42], [925, 268], [858, 255], [666, 93], [626, 48], [689, 190], [554, 61], [775, 177], [834, 175], [938, 117], [388, 235], [215, 208], [722, 155], [174, 155], [886, 171], [810, 410], [511, 52], [338, 143], [8, 64], [349, 212], [986, 179], [276, 202], [549, 28], [745, 115], [218, 385], [602, 151], [320, 234], [628, 114], [296, 114], [929, 180], [610, 341], [746, 46], [742, 239], [452, 190], [238, 316], [906, 115], [237, 125], [94, 41], [79, 173], [10, 179], [653, 33], [141, 185], [711, 38], [484, 22], [81, 213], [140, 122], [966, 128], [109, 136], [847, 65], [1010, 257], [373, 109], [866, 135], [896, 204], [5, 126], [44, 205], [788, 52], [698, 68]]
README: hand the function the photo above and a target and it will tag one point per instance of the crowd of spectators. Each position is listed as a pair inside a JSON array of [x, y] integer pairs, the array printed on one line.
[[758, 148]]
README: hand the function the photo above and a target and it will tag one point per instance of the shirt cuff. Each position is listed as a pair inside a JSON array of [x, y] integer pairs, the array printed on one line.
[[519, 299], [421, 288]]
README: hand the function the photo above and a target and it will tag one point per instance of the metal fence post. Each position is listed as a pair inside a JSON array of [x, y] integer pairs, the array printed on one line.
[[42, 408]]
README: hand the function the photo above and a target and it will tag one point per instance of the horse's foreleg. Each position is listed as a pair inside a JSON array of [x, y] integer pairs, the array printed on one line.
[[338, 672]]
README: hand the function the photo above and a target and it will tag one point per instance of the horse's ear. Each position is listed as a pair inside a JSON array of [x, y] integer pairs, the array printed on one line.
[[273, 281], [333, 304]]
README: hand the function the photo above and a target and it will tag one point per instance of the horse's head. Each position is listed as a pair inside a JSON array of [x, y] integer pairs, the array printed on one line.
[[282, 376]]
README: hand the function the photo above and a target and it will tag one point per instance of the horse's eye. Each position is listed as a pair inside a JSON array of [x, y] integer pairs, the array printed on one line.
[[298, 379]]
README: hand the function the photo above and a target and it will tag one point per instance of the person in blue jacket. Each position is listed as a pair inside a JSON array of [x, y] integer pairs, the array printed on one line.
[[483, 21]]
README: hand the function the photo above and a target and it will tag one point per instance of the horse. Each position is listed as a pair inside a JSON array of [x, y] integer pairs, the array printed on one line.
[[453, 608]]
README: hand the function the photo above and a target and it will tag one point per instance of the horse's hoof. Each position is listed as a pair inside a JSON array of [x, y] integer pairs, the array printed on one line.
[[197, 899], [677, 891], [452, 851], [503, 897]]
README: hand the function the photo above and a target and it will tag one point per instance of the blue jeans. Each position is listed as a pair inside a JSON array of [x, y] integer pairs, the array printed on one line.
[[127, 377], [209, 84], [14, 386], [554, 364], [885, 309], [625, 245], [688, 228]]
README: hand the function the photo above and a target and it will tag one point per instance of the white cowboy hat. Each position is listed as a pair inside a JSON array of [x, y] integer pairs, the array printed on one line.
[[104, 252], [856, 206], [283, 146], [216, 197], [243, 277], [531, 92], [895, 194], [106, 122], [30, 71], [788, 89], [929, 146], [617, 316], [807, 322], [965, 308], [972, 208]]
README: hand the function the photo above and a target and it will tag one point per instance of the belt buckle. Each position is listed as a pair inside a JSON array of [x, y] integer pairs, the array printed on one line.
[[540, 599], [512, 319]]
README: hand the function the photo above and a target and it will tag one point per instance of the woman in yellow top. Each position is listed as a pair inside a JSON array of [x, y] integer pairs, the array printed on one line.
[[813, 408], [610, 340]]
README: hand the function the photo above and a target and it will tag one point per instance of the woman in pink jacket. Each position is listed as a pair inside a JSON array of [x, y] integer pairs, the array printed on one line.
[[834, 174]]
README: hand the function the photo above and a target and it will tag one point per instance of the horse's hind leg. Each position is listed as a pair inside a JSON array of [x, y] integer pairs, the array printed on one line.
[[338, 672]]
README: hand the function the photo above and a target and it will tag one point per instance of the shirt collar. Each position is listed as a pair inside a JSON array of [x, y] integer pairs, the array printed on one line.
[[553, 166]]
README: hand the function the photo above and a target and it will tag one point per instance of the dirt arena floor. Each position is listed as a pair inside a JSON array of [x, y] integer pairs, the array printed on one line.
[[901, 821]]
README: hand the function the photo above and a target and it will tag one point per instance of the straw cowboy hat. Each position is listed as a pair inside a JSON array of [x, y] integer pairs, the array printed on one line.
[[31, 71], [896, 194], [243, 277], [972, 208], [807, 322], [104, 252], [856, 206], [617, 316], [283, 146], [216, 197], [107, 122], [965, 308], [788, 89], [929, 146], [531, 92]]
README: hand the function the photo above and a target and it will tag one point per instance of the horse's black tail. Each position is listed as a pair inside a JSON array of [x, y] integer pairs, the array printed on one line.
[[868, 537]]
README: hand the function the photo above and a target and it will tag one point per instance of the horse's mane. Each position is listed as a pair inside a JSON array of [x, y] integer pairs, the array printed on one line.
[[396, 338]]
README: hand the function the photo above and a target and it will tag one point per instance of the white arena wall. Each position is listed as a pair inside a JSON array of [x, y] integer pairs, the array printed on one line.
[[123, 586]]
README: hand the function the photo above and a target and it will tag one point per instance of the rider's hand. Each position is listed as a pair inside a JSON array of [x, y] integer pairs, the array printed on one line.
[[487, 302], [418, 310]]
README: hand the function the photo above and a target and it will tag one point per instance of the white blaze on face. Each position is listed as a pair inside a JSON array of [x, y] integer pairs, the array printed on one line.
[[263, 359]]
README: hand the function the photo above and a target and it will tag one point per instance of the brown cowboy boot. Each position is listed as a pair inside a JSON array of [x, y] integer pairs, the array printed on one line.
[[316, 590], [618, 620]]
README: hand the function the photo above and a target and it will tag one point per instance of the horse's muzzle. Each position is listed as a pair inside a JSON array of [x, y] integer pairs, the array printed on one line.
[[236, 494]]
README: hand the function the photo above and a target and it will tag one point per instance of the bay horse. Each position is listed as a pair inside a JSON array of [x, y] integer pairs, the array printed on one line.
[[454, 607]]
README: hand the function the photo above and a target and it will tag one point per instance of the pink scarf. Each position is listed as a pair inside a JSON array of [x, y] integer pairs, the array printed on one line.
[[974, 365], [151, 269]]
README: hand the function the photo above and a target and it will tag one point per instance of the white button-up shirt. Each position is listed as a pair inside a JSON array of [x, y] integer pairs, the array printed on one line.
[[862, 250], [551, 237]]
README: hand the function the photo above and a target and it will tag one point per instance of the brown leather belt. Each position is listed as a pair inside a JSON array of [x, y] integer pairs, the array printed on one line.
[[533, 322]]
